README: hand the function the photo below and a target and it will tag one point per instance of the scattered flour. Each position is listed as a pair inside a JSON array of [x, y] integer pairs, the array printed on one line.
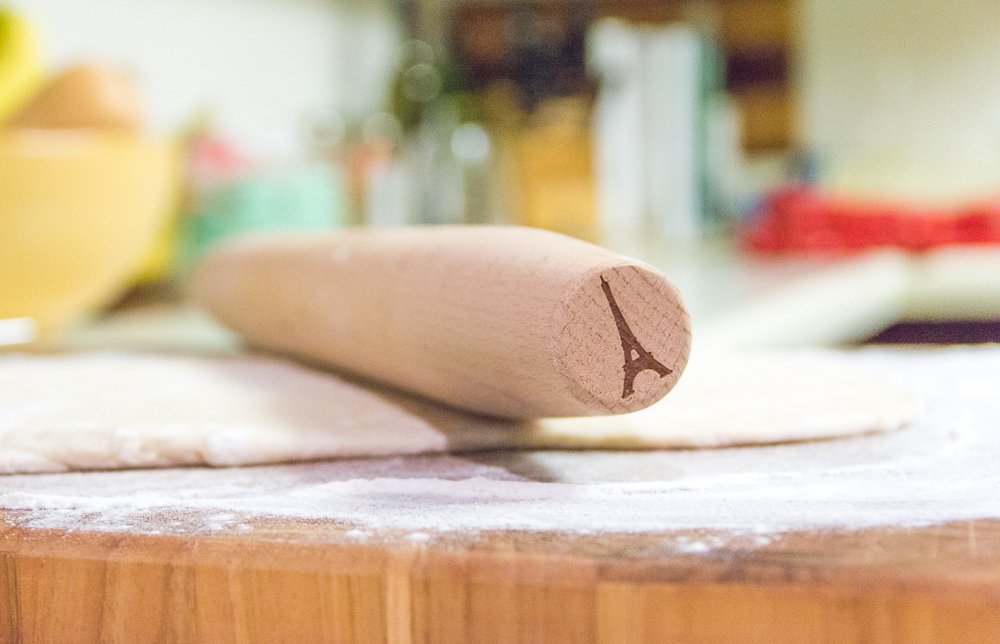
[[945, 467]]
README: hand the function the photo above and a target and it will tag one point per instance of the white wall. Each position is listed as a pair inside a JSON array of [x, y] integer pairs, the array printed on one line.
[[903, 96], [258, 65]]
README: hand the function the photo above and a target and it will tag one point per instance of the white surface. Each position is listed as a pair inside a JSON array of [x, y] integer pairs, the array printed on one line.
[[17, 330], [900, 98], [955, 284], [110, 410], [812, 304], [259, 65], [745, 301], [943, 468], [809, 301]]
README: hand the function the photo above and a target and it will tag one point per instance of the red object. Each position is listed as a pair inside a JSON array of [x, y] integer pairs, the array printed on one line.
[[803, 220], [215, 159]]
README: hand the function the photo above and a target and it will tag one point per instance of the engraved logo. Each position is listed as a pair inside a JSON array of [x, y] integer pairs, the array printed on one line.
[[642, 359]]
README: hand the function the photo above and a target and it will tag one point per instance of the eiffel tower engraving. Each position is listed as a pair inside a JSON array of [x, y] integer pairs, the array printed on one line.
[[630, 345]]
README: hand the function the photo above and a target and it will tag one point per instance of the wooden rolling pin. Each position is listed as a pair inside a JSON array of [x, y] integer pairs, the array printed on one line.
[[506, 321]]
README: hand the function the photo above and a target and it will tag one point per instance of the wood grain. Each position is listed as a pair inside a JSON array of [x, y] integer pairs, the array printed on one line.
[[505, 321], [306, 582]]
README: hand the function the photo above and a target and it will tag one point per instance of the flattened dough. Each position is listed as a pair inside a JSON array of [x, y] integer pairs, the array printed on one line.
[[117, 410], [747, 399]]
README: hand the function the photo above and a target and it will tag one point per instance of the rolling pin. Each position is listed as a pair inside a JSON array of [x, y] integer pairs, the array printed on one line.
[[500, 320]]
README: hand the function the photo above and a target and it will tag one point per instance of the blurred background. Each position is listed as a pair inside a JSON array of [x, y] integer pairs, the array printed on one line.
[[807, 171]]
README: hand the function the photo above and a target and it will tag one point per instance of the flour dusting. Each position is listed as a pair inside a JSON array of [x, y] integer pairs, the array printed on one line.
[[945, 467]]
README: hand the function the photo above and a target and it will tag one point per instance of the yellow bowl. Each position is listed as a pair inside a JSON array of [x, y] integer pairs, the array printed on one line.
[[79, 211]]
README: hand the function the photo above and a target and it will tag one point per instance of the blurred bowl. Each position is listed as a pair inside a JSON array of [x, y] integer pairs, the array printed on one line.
[[79, 212]]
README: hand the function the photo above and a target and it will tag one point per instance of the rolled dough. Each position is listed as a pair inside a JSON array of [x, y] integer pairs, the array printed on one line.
[[745, 399], [119, 410]]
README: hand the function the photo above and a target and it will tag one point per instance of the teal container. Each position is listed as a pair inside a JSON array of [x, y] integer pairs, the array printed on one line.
[[303, 199]]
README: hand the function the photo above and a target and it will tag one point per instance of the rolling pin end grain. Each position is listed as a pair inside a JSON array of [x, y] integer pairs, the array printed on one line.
[[624, 338]]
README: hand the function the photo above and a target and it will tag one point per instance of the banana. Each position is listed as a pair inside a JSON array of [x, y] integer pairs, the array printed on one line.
[[20, 68]]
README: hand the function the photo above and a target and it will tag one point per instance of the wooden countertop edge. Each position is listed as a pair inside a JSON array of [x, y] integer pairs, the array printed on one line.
[[58, 586], [891, 559]]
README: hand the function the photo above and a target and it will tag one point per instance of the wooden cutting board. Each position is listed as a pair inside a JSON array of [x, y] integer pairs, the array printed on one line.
[[311, 581]]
